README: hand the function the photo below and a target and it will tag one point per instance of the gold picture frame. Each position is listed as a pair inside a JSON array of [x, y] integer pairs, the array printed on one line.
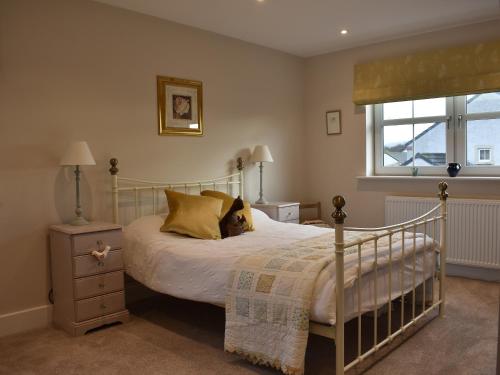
[[180, 106], [333, 122]]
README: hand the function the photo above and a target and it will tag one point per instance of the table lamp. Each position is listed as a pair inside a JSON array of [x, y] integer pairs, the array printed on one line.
[[260, 155], [77, 154]]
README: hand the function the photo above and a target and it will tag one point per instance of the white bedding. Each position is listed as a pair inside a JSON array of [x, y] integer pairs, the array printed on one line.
[[197, 270]]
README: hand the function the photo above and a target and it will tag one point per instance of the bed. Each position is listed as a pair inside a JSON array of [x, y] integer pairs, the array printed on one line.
[[375, 265], [198, 270]]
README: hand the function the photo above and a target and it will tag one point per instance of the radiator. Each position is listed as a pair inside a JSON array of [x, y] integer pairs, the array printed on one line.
[[473, 227]]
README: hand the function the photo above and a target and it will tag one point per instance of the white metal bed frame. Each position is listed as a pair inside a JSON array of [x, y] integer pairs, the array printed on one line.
[[235, 179], [437, 215]]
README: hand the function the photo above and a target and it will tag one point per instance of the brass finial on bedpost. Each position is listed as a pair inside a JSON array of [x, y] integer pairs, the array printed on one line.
[[239, 164], [338, 215], [443, 195], [113, 170]]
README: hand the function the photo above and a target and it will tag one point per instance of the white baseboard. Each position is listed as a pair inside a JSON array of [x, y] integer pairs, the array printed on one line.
[[25, 320], [472, 272]]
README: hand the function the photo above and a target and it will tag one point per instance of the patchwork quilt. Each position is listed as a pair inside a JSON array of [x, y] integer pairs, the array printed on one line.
[[268, 301], [269, 294]]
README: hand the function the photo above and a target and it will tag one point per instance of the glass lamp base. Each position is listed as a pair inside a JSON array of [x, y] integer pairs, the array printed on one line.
[[261, 201]]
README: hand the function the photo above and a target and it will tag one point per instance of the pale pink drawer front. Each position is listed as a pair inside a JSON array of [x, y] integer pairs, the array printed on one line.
[[86, 243], [98, 306], [86, 265], [86, 287]]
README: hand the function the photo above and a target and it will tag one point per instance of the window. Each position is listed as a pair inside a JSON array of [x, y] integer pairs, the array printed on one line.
[[430, 133], [484, 155]]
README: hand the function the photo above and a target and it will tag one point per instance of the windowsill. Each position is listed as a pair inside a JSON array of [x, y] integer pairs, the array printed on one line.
[[429, 178]]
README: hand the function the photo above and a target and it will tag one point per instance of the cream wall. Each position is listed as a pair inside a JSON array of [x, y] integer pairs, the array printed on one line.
[[73, 70], [333, 162], [79, 70]]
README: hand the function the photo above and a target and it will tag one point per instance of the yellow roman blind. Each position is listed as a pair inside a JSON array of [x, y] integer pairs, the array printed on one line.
[[443, 72]]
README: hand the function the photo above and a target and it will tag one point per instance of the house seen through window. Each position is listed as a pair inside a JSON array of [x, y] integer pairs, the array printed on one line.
[[430, 133]]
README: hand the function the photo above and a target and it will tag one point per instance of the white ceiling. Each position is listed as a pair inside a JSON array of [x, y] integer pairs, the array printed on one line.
[[312, 27]]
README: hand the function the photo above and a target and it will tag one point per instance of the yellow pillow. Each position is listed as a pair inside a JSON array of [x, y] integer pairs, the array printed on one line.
[[193, 215], [228, 201]]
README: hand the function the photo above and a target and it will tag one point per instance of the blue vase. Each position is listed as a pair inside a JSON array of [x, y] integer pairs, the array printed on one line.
[[453, 169]]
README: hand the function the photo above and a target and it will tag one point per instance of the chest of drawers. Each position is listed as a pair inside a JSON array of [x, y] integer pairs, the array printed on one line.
[[287, 212], [87, 276]]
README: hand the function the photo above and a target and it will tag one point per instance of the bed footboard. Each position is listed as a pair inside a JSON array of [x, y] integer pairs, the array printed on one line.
[[427, 223]]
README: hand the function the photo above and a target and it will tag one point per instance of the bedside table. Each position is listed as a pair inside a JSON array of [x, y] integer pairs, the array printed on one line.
[[88, 290], [286, 212]]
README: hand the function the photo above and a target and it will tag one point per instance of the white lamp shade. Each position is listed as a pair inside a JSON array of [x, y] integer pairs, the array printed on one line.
[[78, 153], [261, 153]]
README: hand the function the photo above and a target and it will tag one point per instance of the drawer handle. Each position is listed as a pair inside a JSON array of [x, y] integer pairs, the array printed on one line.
[[101, 254], [103, 306], [101, 285]]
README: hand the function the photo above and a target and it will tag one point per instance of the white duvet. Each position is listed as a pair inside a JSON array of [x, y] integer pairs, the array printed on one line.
[[197, 270]]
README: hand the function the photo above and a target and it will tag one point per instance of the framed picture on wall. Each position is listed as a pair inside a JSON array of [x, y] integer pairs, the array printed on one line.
[[333, 122], [180, 110]]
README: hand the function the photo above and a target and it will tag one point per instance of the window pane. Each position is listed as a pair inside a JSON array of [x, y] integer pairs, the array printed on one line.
[[483, 138], [397, 110], [484, 154], [430, 144], [429, 107], [398, 145], [481, 103]]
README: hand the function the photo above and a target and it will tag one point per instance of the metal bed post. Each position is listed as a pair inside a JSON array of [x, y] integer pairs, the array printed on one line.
[[114, 187], [443, 196], [239, 165], [339, 217]]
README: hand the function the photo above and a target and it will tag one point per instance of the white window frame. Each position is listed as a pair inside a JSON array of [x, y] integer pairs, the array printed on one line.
[[456, 132], [461, 117], [380, 169]]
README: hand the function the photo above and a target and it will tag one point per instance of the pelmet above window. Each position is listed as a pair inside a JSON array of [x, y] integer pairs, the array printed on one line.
[[438, 73]]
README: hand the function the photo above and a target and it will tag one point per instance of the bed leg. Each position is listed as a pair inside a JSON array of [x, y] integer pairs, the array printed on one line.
[[443, 195], [339, 217]]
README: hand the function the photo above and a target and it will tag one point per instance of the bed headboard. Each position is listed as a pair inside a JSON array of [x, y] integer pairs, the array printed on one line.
[[139, 194]]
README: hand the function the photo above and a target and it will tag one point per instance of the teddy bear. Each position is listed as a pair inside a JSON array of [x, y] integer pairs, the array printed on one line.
[[231, 224]]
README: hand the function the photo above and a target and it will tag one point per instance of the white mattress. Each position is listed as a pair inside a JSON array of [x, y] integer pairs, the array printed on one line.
[[197, 270]]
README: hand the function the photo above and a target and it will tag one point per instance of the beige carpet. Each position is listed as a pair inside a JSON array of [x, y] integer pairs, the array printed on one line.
[[170, 336]]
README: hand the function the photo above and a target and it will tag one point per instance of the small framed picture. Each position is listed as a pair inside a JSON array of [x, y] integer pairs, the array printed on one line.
[[179, 106], [333, 123]]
